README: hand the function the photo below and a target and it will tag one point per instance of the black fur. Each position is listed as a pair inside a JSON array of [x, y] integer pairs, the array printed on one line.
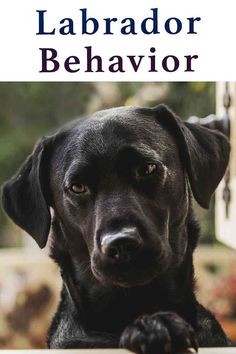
[[125, 243]]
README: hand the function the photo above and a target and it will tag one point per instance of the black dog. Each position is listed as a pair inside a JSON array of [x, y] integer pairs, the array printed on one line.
[[119, 187]]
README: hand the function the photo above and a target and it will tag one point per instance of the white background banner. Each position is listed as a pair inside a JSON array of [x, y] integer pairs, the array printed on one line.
[[132, 40]]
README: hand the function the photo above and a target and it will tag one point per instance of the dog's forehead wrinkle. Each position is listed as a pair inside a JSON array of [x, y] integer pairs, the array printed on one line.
[[73, 168], [148, 151]]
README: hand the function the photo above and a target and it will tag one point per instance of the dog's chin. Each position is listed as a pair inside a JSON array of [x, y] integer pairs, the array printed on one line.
[[122, 281]]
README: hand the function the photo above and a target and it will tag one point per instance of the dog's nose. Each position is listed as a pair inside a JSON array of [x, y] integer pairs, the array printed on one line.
[[121, 246]]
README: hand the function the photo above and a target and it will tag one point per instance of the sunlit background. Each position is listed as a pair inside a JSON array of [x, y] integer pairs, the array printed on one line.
[[29, 281]]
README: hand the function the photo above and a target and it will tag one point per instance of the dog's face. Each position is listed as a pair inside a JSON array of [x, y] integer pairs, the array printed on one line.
[[118, 184]]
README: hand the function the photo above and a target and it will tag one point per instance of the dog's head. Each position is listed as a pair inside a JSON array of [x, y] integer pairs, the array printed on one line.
[[118, 183]]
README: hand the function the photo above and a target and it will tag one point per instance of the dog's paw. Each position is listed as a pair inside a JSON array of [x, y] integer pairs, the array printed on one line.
[[162, 333]]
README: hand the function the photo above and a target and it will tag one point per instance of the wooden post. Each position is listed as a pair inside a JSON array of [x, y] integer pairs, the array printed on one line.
[[226, 225]]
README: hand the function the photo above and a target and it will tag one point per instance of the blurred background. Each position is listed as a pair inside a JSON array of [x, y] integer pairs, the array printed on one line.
[[29, 281]]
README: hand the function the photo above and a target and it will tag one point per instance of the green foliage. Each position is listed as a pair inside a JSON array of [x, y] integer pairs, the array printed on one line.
[[192, 98]]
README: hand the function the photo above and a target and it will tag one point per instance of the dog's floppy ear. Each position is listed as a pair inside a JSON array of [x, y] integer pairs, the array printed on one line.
[[204, 153], [24, 195]]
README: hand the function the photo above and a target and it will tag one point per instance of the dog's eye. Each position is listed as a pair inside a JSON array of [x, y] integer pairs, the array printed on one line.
[[146, 170], [79, 188]]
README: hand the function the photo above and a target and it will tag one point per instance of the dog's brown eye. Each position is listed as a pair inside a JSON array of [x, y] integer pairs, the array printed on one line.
[[146, 170], [79, 188]]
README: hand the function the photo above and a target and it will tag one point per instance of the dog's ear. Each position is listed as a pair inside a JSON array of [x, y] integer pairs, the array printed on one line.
[[204, 153], [24, 196]]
